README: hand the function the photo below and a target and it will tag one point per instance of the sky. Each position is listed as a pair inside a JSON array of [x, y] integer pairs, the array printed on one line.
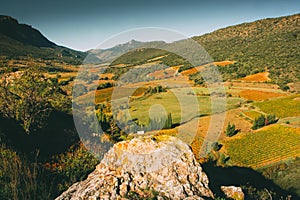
[[84, 24]]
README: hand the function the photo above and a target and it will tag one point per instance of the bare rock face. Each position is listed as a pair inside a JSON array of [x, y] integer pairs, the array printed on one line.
[[233, 192], [163, 166]]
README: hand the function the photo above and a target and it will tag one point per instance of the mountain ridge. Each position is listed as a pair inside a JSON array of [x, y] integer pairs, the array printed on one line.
[[22, 41]]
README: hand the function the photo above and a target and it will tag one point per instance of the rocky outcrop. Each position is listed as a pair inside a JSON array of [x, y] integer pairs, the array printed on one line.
[[233, 192], [163, 167]]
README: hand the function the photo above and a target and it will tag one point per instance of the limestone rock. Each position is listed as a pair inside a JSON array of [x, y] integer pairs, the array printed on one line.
[[164, 166], [233, 192]]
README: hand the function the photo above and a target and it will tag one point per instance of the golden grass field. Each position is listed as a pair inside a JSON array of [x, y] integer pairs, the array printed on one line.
[[259, 77], [223, 63], [257, 95], [192, 70], [163, 74]]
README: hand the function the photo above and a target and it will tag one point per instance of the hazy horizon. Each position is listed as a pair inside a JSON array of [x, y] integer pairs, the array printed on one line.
[[84, 25]]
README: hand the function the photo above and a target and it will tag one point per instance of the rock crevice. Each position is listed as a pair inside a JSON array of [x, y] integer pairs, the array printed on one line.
[[164, 167]]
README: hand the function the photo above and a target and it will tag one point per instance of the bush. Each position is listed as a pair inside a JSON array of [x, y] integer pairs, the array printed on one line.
[[216, 146], [72, 166]]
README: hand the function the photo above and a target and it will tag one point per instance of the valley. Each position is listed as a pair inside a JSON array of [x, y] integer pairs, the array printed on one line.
[[248, 120]]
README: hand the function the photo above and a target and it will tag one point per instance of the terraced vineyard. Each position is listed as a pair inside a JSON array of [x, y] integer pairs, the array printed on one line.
[[282, 107], [270, 145]]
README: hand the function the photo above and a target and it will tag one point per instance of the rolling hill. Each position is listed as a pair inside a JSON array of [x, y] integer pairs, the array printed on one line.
[[264, 45]]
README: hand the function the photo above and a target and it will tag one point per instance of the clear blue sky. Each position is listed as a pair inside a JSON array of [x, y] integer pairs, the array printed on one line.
[[83, 24]]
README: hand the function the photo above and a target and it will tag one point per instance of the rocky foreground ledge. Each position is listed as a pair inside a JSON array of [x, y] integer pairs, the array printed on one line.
[[163, 166]]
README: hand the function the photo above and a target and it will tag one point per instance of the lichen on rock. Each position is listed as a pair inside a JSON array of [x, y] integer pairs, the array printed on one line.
[[164, 167]]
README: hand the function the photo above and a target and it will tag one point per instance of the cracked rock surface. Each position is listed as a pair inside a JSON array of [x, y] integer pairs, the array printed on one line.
[[164, 166]]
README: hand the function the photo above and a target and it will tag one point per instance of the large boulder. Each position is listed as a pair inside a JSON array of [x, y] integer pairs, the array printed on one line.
[[161, 166]]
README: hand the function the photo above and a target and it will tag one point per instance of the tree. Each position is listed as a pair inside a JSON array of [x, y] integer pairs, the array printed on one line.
[[263, 120], [230, 130], [259, 122], [168, 123], [28, 97]]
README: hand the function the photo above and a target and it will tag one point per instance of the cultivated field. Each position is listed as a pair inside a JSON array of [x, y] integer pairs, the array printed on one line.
[[183, 111], [257, 95], [282, 107], [259, 77], [251, 114], [267, 146]]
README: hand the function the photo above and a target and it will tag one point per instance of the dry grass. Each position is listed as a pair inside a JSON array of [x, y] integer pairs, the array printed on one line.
[[162, 74], [259, 77], [105, 94], [108, 75], [200, 68], [223, 63], [195, 139], [192, 70], [255, 86], [257, 95]]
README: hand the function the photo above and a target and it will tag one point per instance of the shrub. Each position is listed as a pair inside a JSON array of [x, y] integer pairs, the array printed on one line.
[[72, 166], [20, 179]]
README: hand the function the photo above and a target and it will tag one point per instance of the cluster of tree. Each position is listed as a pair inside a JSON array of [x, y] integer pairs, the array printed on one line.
[[207, 76], [216, 146], [108, 123], [153, 90], [231, 130], [140, 74], [117, 71], [263, 120], [175, 60], [157, 123], [30, 98], [239, 70], [265, 46], [197, 78], [254, 49], [87, 76], [138, 56]]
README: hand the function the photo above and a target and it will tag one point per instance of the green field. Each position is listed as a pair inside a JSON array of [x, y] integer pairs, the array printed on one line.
[[251, 114], [183, 111], [267, 146], [282, 107]]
